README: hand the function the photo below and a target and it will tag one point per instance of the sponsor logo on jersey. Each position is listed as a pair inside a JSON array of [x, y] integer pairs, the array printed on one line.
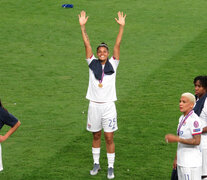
[[196, 124], [196, 130]]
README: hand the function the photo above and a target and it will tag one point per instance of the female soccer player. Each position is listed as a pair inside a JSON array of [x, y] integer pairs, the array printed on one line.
[[102, 93], [188, 158], [10, 120], [200, 109]]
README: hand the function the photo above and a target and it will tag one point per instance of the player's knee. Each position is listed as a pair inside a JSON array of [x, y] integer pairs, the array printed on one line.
[[97, 136], [109, 140]]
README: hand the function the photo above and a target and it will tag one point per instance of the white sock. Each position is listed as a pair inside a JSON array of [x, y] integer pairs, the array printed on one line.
[[111, 159], [96, 155], [205, 178]]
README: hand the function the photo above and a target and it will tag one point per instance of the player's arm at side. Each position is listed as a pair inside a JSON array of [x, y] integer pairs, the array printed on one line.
[[82, 20], [10, 132], [175, 162], [121, 22]]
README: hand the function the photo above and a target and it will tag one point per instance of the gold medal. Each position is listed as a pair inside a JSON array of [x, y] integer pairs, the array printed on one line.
[[100, 81], [100, 85]]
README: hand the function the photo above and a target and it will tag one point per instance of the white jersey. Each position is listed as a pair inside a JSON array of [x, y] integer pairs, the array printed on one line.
[[107, 93], [189, 155], [203, 117]]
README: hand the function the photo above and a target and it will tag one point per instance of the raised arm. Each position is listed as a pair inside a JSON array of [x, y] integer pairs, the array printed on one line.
[[82, 20], [121, 22]]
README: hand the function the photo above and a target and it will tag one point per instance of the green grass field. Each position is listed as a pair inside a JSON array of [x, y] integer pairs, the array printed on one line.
[[44, 79]]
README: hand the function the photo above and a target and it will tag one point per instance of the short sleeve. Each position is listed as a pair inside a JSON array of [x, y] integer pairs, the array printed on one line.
[[7, 118], [90, 59], [114, 62], [196, 127], [204, 111]]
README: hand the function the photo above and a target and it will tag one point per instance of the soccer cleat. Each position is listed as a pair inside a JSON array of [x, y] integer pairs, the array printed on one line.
[[110, 174], [94, 171]]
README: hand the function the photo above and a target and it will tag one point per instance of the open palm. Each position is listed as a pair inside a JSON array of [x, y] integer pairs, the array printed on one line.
[[82, 18], [121, 18]]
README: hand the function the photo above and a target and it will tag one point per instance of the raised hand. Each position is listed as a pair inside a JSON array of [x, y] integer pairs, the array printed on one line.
[[82, 18], [121, 18]]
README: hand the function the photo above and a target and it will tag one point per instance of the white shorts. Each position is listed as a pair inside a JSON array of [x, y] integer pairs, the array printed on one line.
[[204, 162], [189, 173], [102, 116], [1, 165]]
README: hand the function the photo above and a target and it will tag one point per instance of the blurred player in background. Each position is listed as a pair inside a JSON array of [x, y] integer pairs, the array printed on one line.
[[10, 120], [102, 93]]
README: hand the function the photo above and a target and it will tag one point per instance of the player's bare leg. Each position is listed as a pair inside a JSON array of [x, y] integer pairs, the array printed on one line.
[[110, 147], [96, 139], [96, 152], [109, 138]]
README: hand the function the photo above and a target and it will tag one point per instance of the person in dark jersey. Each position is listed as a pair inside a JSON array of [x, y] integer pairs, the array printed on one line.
[[8, 119]]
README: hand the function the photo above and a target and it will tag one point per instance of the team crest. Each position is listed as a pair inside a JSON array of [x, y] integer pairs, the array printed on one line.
[[89, 126], [196, 124]]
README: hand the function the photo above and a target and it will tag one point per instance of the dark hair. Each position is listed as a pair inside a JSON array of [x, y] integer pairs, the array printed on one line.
[[102, 45], [202, 79], [1, 105]]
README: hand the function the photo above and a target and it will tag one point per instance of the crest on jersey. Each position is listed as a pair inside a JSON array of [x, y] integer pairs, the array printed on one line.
[[196, 124]]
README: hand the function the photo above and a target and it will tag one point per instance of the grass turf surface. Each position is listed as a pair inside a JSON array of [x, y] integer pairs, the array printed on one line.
[[43, 71]]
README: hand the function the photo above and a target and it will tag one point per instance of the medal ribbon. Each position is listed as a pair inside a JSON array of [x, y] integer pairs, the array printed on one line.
[[183, 121], [100, 81]]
